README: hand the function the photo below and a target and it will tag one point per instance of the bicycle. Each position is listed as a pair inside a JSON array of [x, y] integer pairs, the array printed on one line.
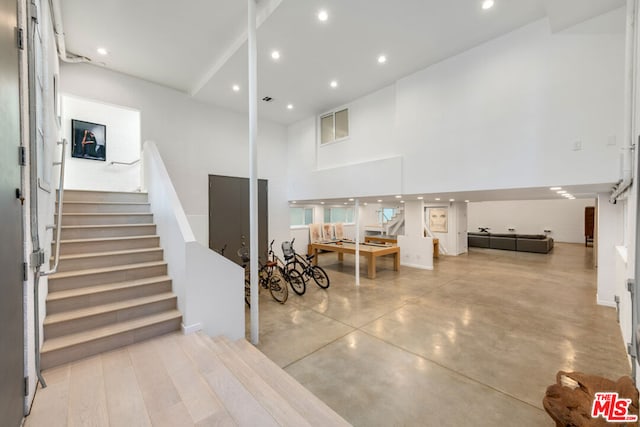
[[304, 267], [269, 277]]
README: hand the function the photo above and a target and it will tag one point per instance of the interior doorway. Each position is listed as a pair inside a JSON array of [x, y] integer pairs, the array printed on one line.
[[12, 384], [229, 215]]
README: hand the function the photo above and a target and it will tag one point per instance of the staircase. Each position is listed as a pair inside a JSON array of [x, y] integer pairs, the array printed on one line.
[[111, 288], [395, 225]]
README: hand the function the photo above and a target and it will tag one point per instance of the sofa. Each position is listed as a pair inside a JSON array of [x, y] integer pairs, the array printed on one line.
[[538, 243]]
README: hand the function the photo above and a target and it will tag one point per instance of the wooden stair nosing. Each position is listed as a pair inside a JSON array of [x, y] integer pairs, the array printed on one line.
[[117, 268], [110, 239], [96, 289], [67, 341], [306, 403], [279, 408], [104, 226], [108, 253], [90, 202], [96, 310]]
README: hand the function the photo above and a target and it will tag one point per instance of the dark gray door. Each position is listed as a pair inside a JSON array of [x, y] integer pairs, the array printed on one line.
[[229, 215], [11, 320]]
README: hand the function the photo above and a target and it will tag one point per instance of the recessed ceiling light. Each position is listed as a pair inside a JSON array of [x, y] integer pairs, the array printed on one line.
[[437, 199], [487, 4], [555, 188], [452, 200], [322, 203], [567, 195], [290, 107], [294, 202], [466, 201], [561, 192], [333, 84], [345, 203], [323, 15], [102, 51], [275, 55], [398, 197], [380, 201], [420, 197], [401, 201], [351, 200], [382, 59], [235, 88]]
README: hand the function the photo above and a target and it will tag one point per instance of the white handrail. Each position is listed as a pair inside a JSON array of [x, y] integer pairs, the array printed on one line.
[[60, 197]]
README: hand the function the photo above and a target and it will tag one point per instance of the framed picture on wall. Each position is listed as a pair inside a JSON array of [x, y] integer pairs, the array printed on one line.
[[438, 219], [89, 140]]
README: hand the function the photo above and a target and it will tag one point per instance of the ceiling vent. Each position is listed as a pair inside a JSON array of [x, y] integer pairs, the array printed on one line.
[[267, 99]]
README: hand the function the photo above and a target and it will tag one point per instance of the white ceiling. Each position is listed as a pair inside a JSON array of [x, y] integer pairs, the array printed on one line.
[[199, 46]]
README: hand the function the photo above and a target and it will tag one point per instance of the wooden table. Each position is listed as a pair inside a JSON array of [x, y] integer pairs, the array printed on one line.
[[378, 239], [371, 252]]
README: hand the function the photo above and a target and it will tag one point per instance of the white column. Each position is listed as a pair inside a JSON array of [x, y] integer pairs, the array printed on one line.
[[253, 171], [357, 239]]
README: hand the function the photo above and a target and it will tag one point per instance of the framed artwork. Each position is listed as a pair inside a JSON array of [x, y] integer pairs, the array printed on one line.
[[315, 233], [327, 231], [89, 140], [339, 229], [438, 218]]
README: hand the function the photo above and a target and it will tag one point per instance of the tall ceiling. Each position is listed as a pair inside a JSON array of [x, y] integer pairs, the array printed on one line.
[[199, 46]]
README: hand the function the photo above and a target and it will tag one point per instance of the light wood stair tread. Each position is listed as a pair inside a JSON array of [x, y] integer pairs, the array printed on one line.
[[88, 202], [104, 213], [108, 226], [109, 239], [59, 343], [276, 404], [110, 253], [106, 308], [76, 273], [89, 290], [305, 402]]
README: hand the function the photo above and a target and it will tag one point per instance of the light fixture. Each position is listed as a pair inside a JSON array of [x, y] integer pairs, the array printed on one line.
[[351, 200], [382, 59], [466, 201], [420, 197], [275, 55], [401, 201], [345, 203], [102, 51], [562, 192], [487, 4], [452, 200], [323, 16], [398, 197], [289, 106], [235, 88], [333, 84], [555, 188], [322, 203], [567, 195], [437, 199], [365, 203], [380, 201], [294, 202]]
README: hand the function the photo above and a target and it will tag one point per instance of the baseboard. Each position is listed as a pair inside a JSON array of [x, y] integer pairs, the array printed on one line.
[[189, 329], [611, 304], [421, 267]]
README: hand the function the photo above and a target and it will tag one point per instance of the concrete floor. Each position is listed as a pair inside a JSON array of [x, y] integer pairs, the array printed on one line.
[[476, 341]]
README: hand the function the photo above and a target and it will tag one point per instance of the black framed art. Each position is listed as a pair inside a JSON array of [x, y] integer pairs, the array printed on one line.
[[89, 140]]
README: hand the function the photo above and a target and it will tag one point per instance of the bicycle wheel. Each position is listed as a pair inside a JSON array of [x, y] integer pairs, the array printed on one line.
[[296, 281], [247, 292], [278, 287], [320, 276]]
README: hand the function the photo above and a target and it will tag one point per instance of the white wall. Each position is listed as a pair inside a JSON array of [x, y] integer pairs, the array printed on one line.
[[502, 115], [194, 139], [565, 218], [122, 145], [415, 250]]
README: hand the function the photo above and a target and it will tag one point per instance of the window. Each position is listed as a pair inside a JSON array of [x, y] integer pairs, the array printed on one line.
[[300, 216], [385, 215], [338, 215], [334, 126]]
